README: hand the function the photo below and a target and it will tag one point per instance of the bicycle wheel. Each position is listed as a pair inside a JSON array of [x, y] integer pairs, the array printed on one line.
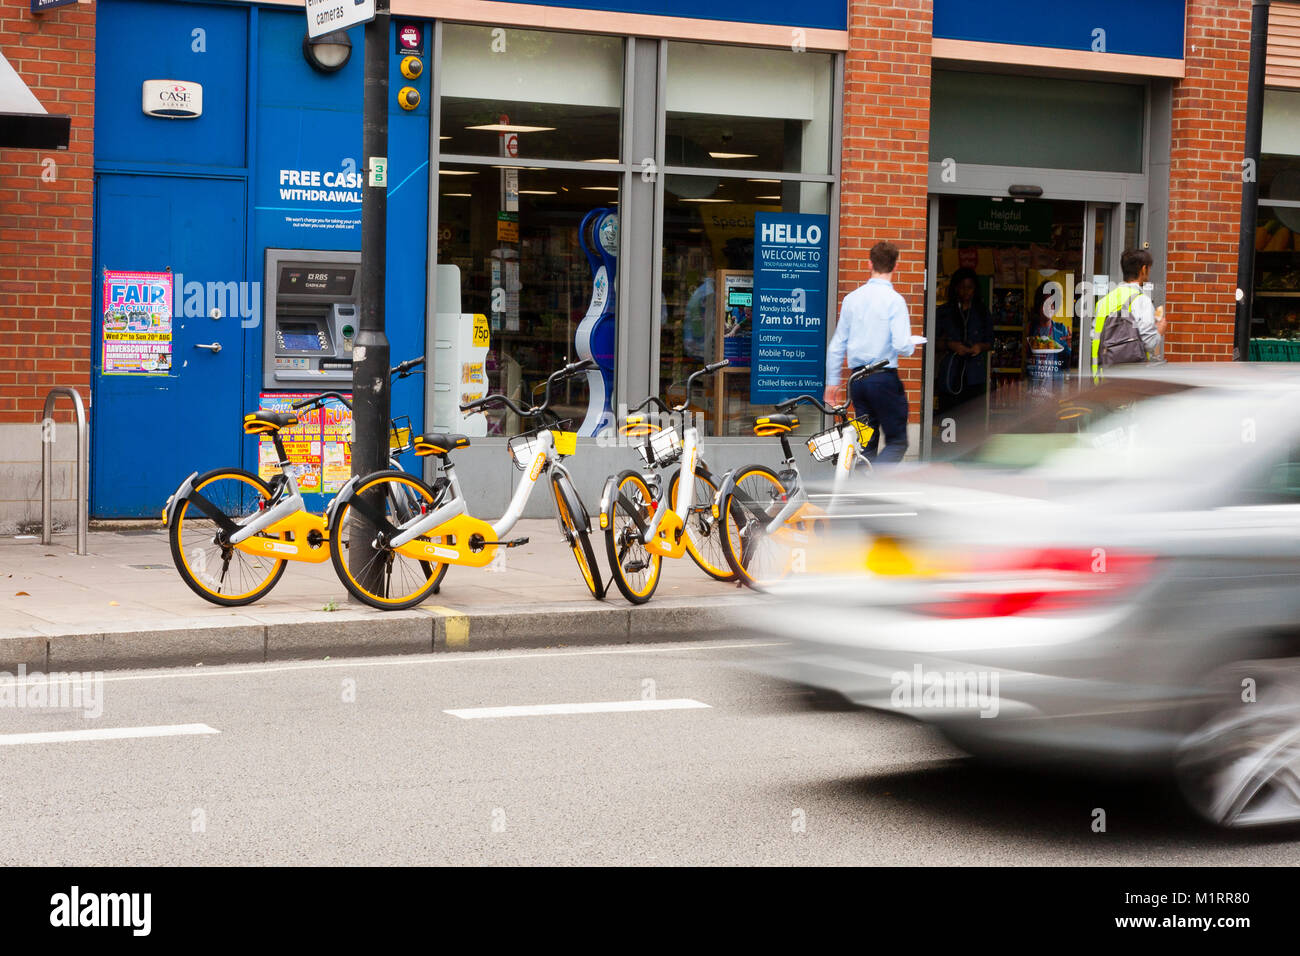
[[703, 540], [576, 535], [372, 571], [745, 512], [214, 570], [635, 569]]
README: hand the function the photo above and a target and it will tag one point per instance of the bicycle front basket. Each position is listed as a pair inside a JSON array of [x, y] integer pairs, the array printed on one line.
[[399, 434], [524, 448], [661, 448], [827, 445]]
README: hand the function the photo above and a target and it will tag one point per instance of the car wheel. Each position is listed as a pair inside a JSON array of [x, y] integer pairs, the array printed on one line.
[[1239, 765]]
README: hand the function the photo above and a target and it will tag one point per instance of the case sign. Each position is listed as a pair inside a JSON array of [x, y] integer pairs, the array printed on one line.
[[137, 323], [172, 99], [791, 262]]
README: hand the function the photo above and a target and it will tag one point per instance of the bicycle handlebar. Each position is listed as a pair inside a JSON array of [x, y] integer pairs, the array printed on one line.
[[320, 400], [837, 411], [397, 371], [690, 382], [489, 401], [407, 367]]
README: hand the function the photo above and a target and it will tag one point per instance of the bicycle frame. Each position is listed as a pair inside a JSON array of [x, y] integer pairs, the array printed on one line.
[[468, 541], [666, 533]]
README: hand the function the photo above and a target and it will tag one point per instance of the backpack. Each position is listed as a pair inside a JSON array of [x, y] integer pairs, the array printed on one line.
[[1120, 342]]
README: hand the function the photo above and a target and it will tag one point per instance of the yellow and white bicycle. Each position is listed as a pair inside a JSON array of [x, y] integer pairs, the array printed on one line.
[[767, 521], [382, 546], [643, 526]]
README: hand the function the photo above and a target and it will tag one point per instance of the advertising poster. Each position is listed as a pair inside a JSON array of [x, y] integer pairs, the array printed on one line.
[[1048, 336], [791, 258], [137, 323], [302, 443], [738, 319], [336, 447]]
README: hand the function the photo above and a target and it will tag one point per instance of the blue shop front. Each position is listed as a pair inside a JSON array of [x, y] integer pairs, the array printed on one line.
[[552, 196]]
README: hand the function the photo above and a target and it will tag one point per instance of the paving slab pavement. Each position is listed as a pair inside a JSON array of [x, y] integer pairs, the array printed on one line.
[[123, 604]]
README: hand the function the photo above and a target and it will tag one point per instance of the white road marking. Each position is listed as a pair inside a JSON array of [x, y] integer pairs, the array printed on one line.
[[606, 707], [440, 658], [105, 733]]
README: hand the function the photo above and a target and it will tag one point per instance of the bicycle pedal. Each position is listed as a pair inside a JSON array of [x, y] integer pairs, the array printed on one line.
[[632, 567], [515, 543]]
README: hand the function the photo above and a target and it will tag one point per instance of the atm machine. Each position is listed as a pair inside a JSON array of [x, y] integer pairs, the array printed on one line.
[[311, 314]]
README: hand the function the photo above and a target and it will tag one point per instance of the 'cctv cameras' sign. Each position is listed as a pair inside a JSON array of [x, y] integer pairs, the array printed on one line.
[[326, 16], [172, 99]]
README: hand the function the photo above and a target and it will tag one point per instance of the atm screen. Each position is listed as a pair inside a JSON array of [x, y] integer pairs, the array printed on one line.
[[300, 337]]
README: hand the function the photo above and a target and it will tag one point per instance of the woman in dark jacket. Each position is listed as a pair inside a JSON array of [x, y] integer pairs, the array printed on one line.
[[964, 332]]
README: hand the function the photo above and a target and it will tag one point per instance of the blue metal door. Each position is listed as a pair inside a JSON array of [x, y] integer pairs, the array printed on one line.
[[150, 431]]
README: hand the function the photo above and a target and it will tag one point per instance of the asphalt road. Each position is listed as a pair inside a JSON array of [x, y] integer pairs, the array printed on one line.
[[358, 762]]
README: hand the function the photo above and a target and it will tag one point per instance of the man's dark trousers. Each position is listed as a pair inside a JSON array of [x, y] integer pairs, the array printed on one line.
[[881, 400]]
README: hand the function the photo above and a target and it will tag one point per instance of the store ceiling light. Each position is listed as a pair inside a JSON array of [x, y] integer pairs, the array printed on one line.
[[602, 160], [733, 155], [459, 195], [775, 198], [512, 128], [708, 200], [457, 172], [537, 192], [602, 189], [762, 180], [328, 53]]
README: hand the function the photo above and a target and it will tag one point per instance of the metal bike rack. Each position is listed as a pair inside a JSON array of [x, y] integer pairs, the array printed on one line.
[[82, 464]]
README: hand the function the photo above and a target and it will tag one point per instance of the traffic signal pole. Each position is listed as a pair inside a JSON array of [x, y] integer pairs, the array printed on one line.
[[370, 355]]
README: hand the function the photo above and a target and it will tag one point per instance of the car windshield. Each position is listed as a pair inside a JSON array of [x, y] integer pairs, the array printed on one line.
[[1130, 429]]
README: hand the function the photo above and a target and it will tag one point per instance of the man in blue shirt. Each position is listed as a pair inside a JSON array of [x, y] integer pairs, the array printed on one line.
[[874, 327]]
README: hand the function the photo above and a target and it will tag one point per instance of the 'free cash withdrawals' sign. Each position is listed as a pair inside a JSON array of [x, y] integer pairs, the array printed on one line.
[[791, 262]]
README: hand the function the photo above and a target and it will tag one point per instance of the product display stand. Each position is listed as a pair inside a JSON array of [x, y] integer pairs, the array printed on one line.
[[724, 282]]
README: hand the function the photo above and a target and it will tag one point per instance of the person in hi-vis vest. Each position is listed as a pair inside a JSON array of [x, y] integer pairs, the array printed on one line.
[[1129, 297]]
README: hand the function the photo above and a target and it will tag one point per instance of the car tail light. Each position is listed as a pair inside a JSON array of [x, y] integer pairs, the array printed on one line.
[[1042, 581]]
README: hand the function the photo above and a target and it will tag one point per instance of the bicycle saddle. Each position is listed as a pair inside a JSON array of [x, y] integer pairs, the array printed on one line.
[[769, 426], [263, 422], [441, 443], [637, 426]]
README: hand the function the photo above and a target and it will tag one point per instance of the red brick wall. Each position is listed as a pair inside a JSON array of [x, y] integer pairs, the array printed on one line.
[[884, 179], [1209, 132], [45, 226]]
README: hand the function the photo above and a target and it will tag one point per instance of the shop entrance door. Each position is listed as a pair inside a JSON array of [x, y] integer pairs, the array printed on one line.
[[1100, 273], [153, 427], [1023, 256]]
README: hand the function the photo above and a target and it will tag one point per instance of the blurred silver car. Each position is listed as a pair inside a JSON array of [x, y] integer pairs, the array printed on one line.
[[1113, 582]]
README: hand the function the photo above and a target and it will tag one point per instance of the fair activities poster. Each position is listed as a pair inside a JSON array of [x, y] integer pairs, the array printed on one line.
[[137, 323]]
